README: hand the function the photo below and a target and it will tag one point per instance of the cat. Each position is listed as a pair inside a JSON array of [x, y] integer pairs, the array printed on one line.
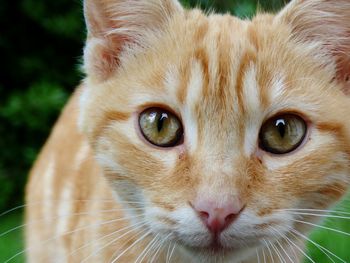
[[196, 137]]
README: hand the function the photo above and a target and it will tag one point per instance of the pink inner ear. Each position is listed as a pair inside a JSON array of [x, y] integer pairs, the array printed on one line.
[[104, 57]]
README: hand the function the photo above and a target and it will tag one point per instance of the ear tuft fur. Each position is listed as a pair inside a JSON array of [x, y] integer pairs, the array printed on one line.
[[328, 23], [113, 24]]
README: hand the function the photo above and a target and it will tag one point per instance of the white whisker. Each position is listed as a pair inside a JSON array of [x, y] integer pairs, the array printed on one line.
[[63, 200], [284, 251], [279, 255], [63, 234], [321, 248], [105, 236], [168, 253], [264, 257], [126, 242], [133, 244], [279, 234], [172, 252], [321, 215], [315, 210], [145, 250], [297, 247], [291, 248], [111, 242], [323, 227], [93, 213], [161, 244], [268, 248]]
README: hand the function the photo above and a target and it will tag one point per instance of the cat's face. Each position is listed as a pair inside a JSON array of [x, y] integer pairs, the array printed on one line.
[[217, 128]]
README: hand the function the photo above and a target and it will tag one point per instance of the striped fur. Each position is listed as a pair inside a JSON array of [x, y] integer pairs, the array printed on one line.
[[223, 77]]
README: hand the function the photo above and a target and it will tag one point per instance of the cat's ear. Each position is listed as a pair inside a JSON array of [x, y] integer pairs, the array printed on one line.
[[114, 24], [325, 22]]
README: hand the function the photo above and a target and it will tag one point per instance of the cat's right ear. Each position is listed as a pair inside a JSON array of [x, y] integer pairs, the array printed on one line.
[[114, 24], [324, 25]]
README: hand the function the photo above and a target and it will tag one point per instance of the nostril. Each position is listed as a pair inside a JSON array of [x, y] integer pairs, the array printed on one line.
[[204, 215], [230, 218]]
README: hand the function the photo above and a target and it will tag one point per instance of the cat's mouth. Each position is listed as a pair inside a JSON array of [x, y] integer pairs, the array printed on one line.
[[214, 246], [217, 247]]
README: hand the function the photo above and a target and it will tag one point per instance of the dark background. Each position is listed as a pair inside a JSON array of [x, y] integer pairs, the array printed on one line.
[[41, 44]]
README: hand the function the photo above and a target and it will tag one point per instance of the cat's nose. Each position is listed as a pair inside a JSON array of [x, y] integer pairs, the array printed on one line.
[[218, 217]]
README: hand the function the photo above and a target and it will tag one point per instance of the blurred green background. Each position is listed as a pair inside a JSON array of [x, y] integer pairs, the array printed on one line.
[[41, 45]]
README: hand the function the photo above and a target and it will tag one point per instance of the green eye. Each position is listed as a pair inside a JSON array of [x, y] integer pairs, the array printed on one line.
[[160, 127], [282, 134]]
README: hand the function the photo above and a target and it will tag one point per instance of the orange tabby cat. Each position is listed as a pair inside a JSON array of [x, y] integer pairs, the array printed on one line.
[[202, 138]]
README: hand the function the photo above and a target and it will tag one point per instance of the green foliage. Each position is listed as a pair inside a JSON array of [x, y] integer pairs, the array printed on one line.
[[11, 243]]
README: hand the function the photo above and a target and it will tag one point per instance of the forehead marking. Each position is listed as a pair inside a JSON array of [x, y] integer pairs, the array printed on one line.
[[254, 116], [171, 82], [277, 89], [251, 92], [246, 61], [193, 96], [195, 84]]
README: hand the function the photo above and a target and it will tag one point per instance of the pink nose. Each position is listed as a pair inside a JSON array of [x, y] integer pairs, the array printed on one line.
[[216, 217]]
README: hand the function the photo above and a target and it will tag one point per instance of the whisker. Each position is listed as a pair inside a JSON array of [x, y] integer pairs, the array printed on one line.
[[281, 235], [279, 255], [321, 248], [145, 250], [291, 248], [321, 215], [111, 242], [161, 244], [167, 253], [31, 223], [63, 234], [268, 248], [297, 247], [126, 243], [133, 244], [142, 223], [257, 255], [285, 252], [264, 257], [172, 251], [62, 200], [323, 227], [316, 210]]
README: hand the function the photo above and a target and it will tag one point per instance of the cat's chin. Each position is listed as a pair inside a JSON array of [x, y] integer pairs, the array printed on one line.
[[218, 253]]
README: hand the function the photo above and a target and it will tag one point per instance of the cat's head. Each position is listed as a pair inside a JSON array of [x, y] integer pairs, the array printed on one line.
[[219, 128]]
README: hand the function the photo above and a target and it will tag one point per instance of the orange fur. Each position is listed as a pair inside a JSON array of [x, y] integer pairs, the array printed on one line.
[[223, 77]]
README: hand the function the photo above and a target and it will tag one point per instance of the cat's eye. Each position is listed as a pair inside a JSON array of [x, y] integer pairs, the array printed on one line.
[[161, 127], [282, 134]]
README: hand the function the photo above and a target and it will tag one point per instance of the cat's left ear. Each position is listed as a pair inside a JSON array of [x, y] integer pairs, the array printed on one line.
[[325, 22]]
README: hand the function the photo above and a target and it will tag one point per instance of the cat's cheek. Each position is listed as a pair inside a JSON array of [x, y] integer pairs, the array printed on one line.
[[181, 224]]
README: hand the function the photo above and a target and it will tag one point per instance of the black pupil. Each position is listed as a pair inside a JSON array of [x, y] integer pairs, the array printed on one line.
[[161, 120], [281, 126]]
